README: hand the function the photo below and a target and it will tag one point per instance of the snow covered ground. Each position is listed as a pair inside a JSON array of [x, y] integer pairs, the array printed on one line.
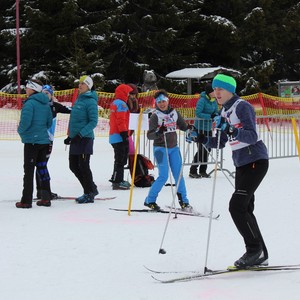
[[72, 251]]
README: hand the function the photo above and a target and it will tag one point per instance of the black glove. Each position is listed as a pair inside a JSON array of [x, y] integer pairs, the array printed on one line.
[[191, 136], [219, 121], [162, 129], [229, 129], [201, 139], [214, 115], [67, 141], [76, 139], [124, 136]]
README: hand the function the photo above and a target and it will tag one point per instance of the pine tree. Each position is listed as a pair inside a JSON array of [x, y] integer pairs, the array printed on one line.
[[120, 39]]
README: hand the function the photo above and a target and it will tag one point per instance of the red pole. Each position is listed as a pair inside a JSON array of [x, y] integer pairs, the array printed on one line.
[[264, 110], [75, 95], [18, 51]]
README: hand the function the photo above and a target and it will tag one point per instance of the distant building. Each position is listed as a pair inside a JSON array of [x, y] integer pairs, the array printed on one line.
[[199, 74]]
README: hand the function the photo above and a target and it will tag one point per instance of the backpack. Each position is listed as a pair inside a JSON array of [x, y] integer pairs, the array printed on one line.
[[143, 164]]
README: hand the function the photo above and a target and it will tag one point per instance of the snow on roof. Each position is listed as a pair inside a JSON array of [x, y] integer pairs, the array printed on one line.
[[200, 73]]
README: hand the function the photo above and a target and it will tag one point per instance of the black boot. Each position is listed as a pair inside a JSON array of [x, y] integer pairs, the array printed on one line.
[[253, 258], [194, 172]]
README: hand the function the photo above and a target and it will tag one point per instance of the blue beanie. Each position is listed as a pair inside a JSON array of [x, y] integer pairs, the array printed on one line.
[[225, 82], [47, 88]]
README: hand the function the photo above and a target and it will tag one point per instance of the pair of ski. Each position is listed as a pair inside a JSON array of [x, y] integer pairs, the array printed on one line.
[[210, 273], [176, 211]]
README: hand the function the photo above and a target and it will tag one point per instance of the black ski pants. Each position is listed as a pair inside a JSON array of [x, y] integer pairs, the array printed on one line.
[[37, 175], [80, 166], [241, 206], [35, 156], [120, 160], [201, 156]]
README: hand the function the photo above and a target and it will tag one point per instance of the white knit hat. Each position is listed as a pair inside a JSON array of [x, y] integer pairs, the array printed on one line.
[[34, 86], [87, 80]]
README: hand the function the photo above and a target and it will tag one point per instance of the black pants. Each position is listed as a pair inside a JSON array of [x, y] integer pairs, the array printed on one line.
[[241, 205], [120, 160], [35, 156], [80, 166], [37, 175], [201, 156]]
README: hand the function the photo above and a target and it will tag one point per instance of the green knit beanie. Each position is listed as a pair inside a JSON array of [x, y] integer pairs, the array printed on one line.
[[225, 82]]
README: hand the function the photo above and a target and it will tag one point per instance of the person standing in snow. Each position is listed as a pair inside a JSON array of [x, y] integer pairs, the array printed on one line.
[[56, 107], [206, 110], [236, 125], [36, 118], [83, 121], [162, 130], [118, 135]]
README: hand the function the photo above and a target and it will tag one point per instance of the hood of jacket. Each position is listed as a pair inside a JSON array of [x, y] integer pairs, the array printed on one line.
[[39, 97], [89, 94], [122, 91]]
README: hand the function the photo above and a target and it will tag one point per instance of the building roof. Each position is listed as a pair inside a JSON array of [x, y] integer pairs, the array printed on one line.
[[200, 73]]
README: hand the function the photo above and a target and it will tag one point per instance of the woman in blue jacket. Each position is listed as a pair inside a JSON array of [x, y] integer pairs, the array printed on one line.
[[36, 118], [83, 120]]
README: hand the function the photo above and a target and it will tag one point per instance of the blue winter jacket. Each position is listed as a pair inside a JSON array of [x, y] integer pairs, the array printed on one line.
[[36, 118], [204, 109], [84, 115]]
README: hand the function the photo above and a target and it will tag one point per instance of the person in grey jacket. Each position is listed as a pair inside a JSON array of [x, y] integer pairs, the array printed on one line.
[[36, 118], [83, 120], [162, 130]]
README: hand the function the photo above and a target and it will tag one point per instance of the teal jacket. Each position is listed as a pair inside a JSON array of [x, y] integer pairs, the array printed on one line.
[[36, 118], [84, 115], [204, 109]]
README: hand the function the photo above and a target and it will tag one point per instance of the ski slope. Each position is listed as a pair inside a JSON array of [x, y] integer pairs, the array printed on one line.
[[72, 251]]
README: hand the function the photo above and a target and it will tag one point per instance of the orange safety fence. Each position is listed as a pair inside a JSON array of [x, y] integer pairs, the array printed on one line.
[[10, 105], [268, 105]]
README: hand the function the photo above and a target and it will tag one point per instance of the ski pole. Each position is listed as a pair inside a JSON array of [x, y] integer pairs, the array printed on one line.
[[173, 206], [135, 159], [212, 199], [169, 169], [161, 250], [219, 166]]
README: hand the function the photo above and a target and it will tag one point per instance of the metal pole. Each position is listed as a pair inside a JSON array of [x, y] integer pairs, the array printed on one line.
[[173, 207], [18, 47], [212, 201]]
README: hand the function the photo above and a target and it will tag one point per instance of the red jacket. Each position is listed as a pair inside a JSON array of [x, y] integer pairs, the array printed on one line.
[[119, 114]]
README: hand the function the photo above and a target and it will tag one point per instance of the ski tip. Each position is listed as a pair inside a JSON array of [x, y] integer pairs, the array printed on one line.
[[232, 268], [157, 280]]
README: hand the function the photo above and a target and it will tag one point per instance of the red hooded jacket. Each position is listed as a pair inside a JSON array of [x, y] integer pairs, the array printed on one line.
[[119, 114]]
